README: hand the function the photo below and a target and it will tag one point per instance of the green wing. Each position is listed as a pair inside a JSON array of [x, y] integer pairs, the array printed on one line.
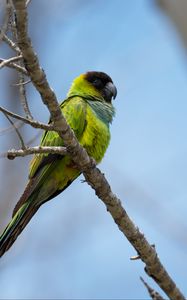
[[74, 110]]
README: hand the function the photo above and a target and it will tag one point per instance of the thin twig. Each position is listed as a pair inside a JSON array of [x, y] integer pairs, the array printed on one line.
[[135, 257], [21, 83], [23, 97], [9, 42], [17, 124], [17, 131], [15, 66], [28, 143], [33, 123], [9, 60], [79, 155], [27, 2], [153, 294], [13, 153]]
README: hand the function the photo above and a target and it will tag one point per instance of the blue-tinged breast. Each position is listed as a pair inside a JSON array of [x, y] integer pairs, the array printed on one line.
[[96, 136]]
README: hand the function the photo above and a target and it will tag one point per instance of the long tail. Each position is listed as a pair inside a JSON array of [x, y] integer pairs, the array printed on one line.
[[16, 225]]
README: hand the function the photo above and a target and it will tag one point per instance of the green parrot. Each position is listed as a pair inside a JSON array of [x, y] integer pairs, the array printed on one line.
[[89, 111]]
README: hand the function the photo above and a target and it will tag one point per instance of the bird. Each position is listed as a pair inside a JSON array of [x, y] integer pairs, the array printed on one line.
[[89, 111]]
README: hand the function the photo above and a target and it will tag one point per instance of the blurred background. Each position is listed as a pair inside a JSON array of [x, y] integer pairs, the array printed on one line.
[[72, 249]]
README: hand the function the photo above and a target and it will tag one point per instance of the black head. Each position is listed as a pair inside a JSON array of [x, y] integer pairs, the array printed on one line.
[[103, 83]]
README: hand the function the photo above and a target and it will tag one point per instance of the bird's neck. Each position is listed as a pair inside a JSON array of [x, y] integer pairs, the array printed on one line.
[[104, 111]]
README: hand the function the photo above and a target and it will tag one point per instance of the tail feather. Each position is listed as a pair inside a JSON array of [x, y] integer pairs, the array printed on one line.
[[16, 226], [25, 196]]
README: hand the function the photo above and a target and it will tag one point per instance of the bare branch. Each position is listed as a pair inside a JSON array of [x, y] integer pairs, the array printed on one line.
[[9, 60], [27, 2], [15, 66], [29, 142], [23, 97], [92, 174], [17, 131], [6, 20], [21, 83], [9, 42], [154, 294], [136, 257], [13, 153], [33, 123], [3, 35], [22, 90]]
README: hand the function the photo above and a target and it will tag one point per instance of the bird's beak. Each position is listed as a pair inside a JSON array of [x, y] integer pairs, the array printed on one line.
[[110, 90]]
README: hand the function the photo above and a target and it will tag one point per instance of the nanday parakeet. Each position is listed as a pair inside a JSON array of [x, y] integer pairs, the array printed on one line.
[[89, 111]]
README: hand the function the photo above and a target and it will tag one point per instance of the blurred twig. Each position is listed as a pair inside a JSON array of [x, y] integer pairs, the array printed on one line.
[[10, 43], [27, 2], [17, 124], [21, 83], [16, 130], [154, 294], [23, 98], [22, 91], [5, 62]]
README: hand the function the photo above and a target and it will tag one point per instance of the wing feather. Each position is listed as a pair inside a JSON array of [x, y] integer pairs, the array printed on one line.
[[74, 110]]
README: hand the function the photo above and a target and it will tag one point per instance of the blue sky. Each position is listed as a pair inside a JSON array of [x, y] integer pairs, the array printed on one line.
[[72, 248]]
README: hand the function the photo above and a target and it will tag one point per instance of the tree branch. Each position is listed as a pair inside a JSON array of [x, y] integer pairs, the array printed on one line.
[[92, 174], [17, 131], [33, 123], [9, 42], [28, 143], [23, 97], [14, 66], [27, 2], [154, 295], [21, 83], [9, 60], [13, 153]]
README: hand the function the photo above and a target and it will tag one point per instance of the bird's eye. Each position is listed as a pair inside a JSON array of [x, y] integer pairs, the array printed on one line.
[[98, 83]]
